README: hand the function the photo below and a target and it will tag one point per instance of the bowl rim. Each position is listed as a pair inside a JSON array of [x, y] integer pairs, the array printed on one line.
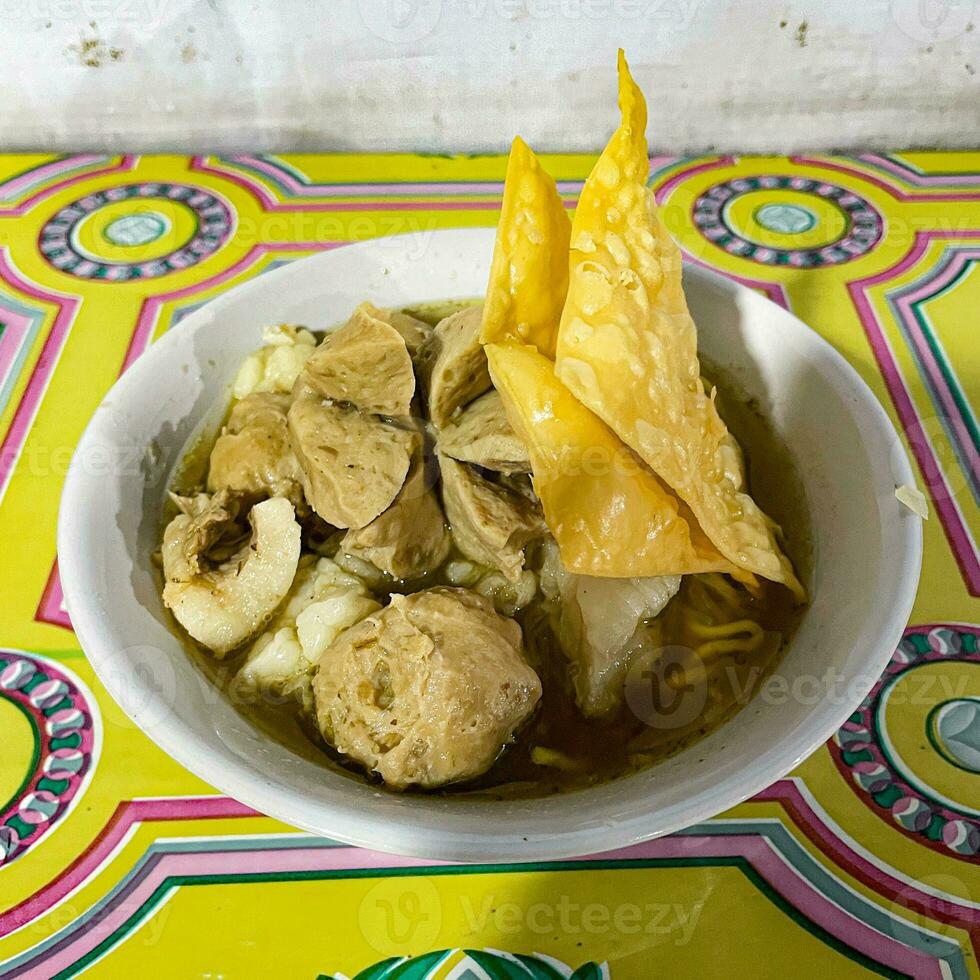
[[342, 823]]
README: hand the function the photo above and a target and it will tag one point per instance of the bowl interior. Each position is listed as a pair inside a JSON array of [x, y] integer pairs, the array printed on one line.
[[865, 564]]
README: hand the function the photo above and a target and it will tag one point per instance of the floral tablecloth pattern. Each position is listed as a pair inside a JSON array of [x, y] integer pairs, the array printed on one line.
[[117, 862]]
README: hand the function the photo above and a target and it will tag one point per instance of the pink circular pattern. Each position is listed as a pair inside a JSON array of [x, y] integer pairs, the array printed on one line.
[[212, 215], [64, 723], [859, 753], [864, 226]]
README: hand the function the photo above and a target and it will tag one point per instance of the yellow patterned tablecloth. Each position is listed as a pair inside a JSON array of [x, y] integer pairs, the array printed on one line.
[[115, 861]]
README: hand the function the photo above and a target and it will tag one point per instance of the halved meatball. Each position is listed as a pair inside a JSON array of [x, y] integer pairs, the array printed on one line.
[[491, 523], [365, 364], [410, 539], [481, 435], [414, 332], [353, 464], [252, 456], [457, 371]]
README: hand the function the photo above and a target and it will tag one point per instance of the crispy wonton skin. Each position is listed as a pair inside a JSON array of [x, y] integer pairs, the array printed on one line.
[[627, 348], [529, 273], [608, 512]]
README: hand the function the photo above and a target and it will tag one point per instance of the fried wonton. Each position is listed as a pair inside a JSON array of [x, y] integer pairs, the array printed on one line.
[[608, 512], [627, 348], [529, 274]]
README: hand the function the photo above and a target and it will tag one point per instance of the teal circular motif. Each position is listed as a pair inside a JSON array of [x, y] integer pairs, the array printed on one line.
[[787, 219], [214, 218], [954, 729], [864, 226], [473, 963], [860, 751], [137, 229]]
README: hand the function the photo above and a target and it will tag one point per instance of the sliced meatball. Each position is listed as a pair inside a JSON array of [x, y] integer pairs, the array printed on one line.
[[521, 484], [482, 435], [491, 523], [597, 621], [427, 691], [353, 464], [410, 539], [457, 371], [414, 332], [365, 364], [252, 456]]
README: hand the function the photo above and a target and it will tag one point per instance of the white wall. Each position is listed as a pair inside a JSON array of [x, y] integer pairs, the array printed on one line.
[[441, 75]]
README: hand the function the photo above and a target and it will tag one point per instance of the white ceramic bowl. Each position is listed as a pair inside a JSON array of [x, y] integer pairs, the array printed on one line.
[[867, 552]]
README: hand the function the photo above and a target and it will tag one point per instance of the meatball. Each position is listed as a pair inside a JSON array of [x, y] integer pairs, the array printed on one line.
[[455, 364], [352, 464], [428, 690], [252, 456], [365, 364], [481, 435], [491, 524], [410, 538]]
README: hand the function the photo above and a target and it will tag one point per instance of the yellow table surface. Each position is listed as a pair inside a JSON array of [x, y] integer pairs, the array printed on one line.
[[115, 861]]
